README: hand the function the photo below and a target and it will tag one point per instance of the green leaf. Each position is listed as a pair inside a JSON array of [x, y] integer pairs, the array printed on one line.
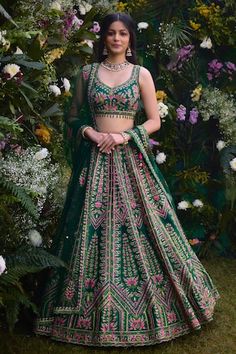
[[31, 64], [27, 99], [21, 194], [52, 111], [28, 86]]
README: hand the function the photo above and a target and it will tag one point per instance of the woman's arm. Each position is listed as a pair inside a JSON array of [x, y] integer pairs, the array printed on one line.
[[148, 96]]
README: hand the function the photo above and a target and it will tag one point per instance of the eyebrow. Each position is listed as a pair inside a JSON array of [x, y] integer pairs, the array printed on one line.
[[123, 29]]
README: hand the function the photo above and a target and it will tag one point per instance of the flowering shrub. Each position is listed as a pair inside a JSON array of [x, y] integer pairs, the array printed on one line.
[[32, 170]]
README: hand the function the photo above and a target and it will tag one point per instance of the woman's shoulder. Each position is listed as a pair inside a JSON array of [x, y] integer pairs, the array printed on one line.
[[144, 74]]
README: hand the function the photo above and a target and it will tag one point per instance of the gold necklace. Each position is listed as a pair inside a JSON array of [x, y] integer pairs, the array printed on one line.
[[114, 67]]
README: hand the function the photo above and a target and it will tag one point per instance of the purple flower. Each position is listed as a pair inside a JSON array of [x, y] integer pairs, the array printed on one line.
[[96, 27], [77, 21], [215, 65], [193, 116], [2, 145], [153, 142], [230, 66], [181, 112], [183, 55], [214, 69]]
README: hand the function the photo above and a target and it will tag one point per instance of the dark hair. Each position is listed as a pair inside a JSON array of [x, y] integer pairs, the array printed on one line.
[[129, 24]]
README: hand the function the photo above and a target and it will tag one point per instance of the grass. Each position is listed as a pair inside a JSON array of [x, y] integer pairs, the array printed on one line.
[[215, 337]]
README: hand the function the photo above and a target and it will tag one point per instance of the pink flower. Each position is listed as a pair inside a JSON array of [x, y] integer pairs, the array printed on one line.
[[156, 197]]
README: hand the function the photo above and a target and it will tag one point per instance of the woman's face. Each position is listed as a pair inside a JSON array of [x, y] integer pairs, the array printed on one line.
[[117, 38]]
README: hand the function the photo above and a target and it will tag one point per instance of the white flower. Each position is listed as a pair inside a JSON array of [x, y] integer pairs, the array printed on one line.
[[55, 89], [2, 38], [88, 42], [35, 238], [206, 43], [41, 154], [198, 203], [220, 144], [161, 157], [18, 51], [11, 69], [233, 164], [142, 25], [2, 264], [84, 7], [183, 205], [66, 84], [163, 109], [55, 5]]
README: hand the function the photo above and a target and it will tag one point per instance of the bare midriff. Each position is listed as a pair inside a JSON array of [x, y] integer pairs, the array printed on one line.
[[116, 124]]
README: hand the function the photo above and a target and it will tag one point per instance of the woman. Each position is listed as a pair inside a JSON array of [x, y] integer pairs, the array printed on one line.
[[132, 277]]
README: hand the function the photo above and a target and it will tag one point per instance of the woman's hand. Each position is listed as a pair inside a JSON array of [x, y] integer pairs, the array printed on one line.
[[105, 141], [109, 140]]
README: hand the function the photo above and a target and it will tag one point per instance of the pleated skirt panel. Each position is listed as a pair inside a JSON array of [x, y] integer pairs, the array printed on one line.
[[133, 278]]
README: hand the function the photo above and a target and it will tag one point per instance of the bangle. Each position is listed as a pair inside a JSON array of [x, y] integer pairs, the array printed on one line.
[[125, 137], [83, 130]]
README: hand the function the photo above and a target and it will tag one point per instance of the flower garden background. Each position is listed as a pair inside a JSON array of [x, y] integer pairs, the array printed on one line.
[[189, 47]]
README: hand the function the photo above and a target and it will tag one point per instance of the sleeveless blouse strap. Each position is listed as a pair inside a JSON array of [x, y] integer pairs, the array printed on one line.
[[136, 72]]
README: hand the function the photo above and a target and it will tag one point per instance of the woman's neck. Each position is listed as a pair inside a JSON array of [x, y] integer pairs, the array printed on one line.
[[116, 59]]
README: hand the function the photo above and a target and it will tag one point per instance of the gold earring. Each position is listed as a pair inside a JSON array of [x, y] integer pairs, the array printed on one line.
[[129, 53], [105, 52]]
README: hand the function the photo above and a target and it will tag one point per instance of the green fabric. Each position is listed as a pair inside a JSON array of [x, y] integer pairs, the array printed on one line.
[[132, 278]]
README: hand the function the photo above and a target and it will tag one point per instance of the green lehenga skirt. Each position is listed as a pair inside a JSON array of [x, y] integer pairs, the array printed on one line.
[[133, 278]]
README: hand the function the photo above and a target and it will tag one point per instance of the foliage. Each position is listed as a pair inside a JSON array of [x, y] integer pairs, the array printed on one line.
[[25, 261]]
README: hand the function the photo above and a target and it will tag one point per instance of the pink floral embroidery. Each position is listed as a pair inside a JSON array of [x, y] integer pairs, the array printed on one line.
[[133, 205], [108, 327], [85, 74], [171, 317], [98, 204], [69, 293], [157, 278], [132, 281], [156, 197], [84, 323], [138, 338], [90, 283], [59, 321], [140, 155], [137, 324]]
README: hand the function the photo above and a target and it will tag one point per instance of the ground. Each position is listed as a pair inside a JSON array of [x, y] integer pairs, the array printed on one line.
[[215, 337]]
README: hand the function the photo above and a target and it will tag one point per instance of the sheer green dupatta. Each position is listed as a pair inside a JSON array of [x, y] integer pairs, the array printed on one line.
[[77, 114], [140, 139], [77, 151]]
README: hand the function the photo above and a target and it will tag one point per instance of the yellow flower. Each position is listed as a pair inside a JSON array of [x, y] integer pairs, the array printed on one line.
[[67, 93], [196, 94], [43, 133], [161, 95], [54, 54], [194, 25], [204, 11], [193, 241], [121, 6]]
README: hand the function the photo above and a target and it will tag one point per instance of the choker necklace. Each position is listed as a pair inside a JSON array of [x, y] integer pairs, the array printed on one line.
[[114, 67]]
